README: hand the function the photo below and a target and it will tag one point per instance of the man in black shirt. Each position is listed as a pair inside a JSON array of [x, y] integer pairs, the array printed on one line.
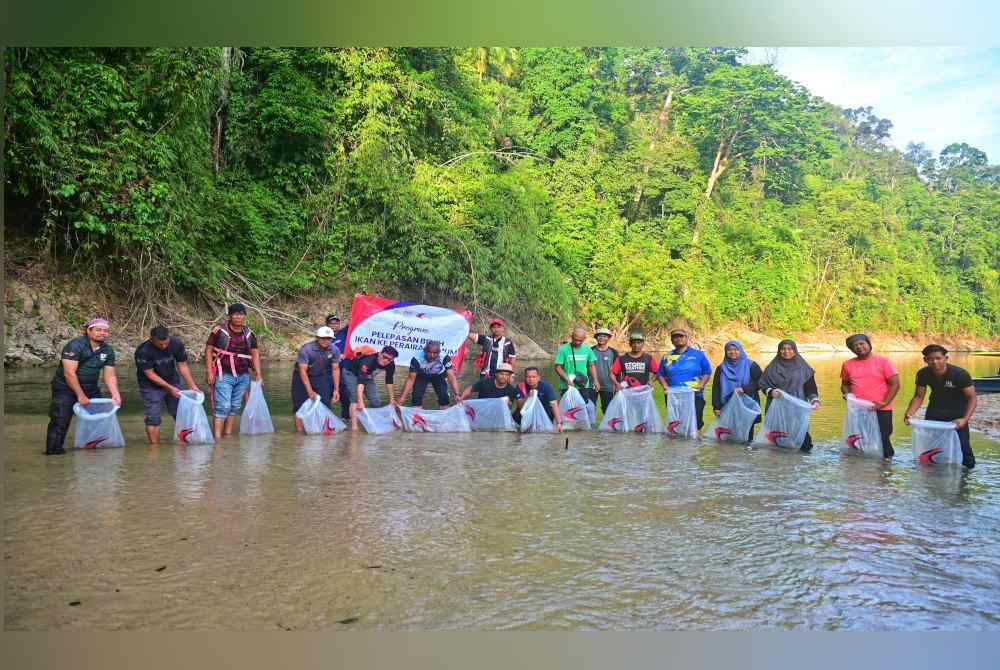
[[359, 378], [76, 380], [429, 367], [498, 386], [496, 349], [160, 362], [953, 397]]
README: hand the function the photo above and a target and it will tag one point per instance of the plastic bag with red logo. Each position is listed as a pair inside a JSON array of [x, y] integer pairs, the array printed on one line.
[[681, 419], [861, 434], [786, 422], [420, 420], [97, 425], [735, 420], [534, 418], [935, 442], [633, 410], [318, 419], [191, 425], [379, 420], [489, 414], [574, 411], [256, 418]]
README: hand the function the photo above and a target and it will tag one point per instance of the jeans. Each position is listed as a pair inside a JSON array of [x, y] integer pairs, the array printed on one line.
[[229, 392], [351, 382], [60, 416]]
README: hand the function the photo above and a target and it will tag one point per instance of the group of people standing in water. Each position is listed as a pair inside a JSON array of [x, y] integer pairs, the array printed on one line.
[[597, 371]]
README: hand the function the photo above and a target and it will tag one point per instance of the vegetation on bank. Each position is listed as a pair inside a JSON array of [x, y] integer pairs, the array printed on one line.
[[626, 187]]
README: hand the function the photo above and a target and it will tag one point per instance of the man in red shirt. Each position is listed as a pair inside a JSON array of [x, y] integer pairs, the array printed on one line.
[[872, 378]]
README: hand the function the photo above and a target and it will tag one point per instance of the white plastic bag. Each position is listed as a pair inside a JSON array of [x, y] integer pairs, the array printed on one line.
[[735, 420], [681, 419], [935, 442], [378, 420], [574, 412], [592, 412], [489, 414], [786, 422], [256, 418], [318, 419], [633, 410], [420, 420], [861, 435], [191, 425], [534, 418], [96, 425]]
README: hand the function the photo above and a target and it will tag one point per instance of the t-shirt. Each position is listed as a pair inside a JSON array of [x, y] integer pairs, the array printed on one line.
[[605, 359], [319, 361], [495, 347], [869, 377], [340, 339], [240, 342], [365, 367], [574, 361], [637, 369], [684, 369], [436, 368], [947, 401], [88, 372], [161, 361], [546, 394], [487, 388]]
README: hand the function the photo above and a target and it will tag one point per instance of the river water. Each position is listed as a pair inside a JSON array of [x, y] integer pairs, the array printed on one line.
[[493, 531]]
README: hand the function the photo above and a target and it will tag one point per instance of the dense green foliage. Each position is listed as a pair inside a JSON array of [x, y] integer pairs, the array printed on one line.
[[614, 186]]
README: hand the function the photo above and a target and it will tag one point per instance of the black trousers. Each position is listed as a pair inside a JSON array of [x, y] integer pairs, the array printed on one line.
[[606, 394], [60, 416], [885, 428], [968, 458], [345, 398], [440, 384]]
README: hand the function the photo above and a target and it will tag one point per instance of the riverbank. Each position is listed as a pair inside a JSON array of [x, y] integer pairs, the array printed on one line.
[[986, 420], [43, 312]]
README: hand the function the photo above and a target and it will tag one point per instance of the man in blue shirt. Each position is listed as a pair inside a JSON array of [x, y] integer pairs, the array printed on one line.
[[685, 366]]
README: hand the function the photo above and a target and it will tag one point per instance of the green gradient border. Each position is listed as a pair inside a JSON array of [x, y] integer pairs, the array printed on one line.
[[520, 22]]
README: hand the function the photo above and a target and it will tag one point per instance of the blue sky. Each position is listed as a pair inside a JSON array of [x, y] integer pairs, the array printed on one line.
[[932, 95]]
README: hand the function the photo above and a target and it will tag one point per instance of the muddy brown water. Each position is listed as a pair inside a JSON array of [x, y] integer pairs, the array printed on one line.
[[492, 531]]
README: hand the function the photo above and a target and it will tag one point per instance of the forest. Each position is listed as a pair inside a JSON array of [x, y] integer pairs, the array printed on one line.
[[624, 187]]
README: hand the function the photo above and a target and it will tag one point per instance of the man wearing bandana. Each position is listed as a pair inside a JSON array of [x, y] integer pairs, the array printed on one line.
[[873, 378], [84, 359]]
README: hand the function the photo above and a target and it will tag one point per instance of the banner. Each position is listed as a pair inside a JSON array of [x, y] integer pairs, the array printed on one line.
[[376, 322]]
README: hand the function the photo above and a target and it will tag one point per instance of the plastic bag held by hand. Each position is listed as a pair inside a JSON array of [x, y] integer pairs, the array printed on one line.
[[534, 418], [735, 420], [97, 425], [574, 410], [379, 420], [192, 426], [786, 422], [935, 442], [318, 419], [861, 435], [633, 410], [681, 419], [256, 418], [451, 420], [489, 414]]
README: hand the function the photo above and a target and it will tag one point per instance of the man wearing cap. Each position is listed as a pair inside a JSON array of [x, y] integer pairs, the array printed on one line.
[[160, 362], [230, 352], [576, 364], [873, 378], [497, 386], [316, 373], [497, 348], [635, 367], [606, 357], [685, 366], [84, 360], [359, 377]]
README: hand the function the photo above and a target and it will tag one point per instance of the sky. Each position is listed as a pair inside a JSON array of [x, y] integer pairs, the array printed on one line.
[[932, 95]]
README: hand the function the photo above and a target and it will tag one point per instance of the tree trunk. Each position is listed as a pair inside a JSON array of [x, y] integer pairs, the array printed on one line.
[[227, 63], [661, 122]]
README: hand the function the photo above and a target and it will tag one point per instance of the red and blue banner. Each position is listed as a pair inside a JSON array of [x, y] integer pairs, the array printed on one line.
[[376, 322]]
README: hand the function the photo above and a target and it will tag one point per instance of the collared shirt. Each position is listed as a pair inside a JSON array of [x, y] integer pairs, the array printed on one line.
[[319, 361], [684, 369], [88, 372]]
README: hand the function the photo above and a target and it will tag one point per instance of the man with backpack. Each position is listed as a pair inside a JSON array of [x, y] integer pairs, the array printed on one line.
[[230, 352], [497, 348]]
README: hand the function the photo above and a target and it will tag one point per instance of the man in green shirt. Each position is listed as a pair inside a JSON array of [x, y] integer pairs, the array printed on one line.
[[84, 359], [576, 364]]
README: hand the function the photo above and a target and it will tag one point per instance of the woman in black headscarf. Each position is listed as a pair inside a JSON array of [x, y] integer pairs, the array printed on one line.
[[790, 373]]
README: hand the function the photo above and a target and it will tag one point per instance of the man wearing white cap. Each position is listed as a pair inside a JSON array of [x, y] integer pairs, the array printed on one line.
[[84, 360], [316, 372]]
